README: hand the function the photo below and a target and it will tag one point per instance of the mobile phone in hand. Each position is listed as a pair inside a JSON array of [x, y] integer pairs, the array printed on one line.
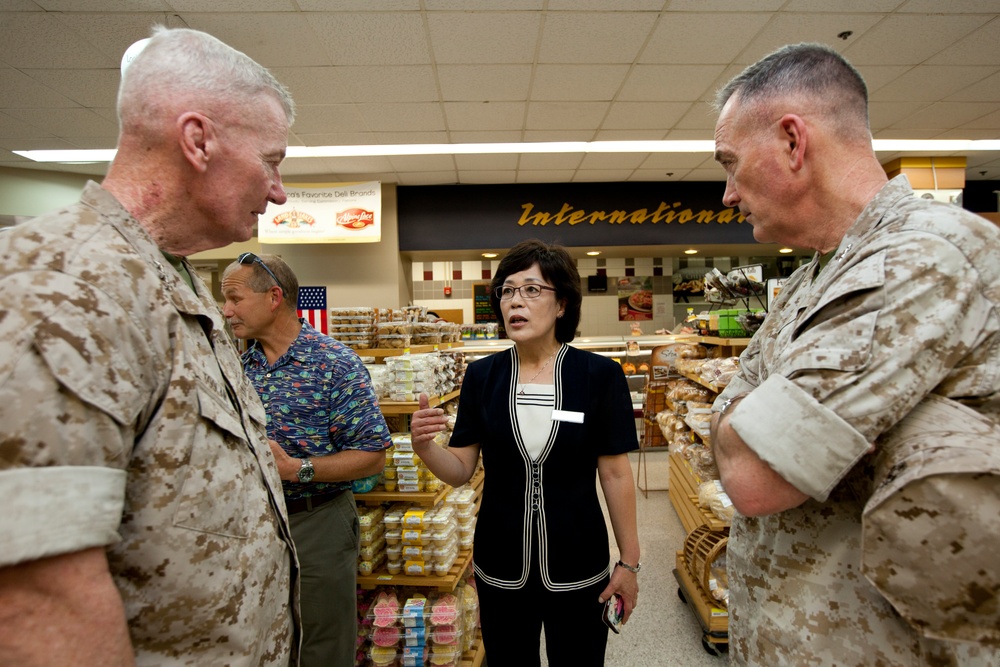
[[614, 611]]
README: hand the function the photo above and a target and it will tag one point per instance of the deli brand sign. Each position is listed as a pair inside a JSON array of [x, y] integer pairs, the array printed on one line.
[[571, 214], [325, 213]]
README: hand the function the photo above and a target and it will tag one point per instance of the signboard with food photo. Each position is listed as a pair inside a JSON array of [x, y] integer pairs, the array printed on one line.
[[325, 213], [635, 299]]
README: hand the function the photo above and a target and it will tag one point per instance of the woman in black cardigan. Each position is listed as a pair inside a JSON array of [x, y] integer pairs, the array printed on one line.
[[545, 416]]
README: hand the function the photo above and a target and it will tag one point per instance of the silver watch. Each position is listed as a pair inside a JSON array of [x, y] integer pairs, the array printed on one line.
[[306, 472]]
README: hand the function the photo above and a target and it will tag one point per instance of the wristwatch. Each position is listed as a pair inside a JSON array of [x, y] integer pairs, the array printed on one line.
[[638, 566], [306, 472]]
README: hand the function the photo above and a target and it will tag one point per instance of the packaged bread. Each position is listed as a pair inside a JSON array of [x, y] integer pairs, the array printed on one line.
[[711, 496]]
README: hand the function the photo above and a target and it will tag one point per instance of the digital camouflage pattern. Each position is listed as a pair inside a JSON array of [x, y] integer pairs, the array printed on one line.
[[114, 374], [906, 307]]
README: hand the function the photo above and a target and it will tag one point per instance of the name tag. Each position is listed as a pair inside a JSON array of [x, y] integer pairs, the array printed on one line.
[[567, 416]]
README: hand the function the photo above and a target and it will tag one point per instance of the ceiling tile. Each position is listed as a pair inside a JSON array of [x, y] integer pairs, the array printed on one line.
[[668, 83], [487, 177], [605, 5], [21, 35], [725, 5], [549, 161], [565, 115], [468, 38], [594, 37], [977, 48], [882, 115], [415, 117], [109, 6], [645, 115], [68, 123], [470, 116], [927, 83], [987, 90], [241, 6], [360, 5], [21, 90], [422, 162], [680, 38], [389, 83], [473, 83], [845, 6], [329, 119], [554, 176], [577, 82], [944, 115], [628, 161], [86, 87], [370, 38], [314, 85], [700, 116], [953, 6], [601, 175], [909, 39], [791, 28]]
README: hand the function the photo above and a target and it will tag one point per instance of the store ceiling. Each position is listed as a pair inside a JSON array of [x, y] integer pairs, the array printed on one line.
[[467, 71]]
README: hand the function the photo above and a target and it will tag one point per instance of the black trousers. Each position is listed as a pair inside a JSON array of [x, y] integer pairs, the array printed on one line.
[[512, 622]]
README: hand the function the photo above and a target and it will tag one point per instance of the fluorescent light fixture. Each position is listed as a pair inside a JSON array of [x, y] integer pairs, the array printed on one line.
[[705, 146], [71, 156], [489, 255], [690, 251], [785, 251], [594, 253]]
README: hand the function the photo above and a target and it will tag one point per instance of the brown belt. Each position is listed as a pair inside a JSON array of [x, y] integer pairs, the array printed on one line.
[[296, 505]]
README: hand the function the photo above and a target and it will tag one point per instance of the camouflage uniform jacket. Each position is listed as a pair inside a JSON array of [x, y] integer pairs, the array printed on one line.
[[908, 306], [128, 423]]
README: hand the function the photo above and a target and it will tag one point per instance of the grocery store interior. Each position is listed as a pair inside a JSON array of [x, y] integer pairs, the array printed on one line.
[[479, 123]]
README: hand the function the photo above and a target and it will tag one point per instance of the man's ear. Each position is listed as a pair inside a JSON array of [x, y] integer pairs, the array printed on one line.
[[197, 137], [277, 296], [794, 135]]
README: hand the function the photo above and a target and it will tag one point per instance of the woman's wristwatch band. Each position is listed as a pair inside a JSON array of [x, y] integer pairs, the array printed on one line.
[[638, 566]]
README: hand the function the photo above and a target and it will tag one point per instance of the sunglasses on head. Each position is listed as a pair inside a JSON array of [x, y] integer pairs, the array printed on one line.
[[250, 258]]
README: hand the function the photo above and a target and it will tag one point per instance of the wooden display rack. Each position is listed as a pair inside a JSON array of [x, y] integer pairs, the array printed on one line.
[[682, 489], [409, 407], [475, 656], [713, 619]]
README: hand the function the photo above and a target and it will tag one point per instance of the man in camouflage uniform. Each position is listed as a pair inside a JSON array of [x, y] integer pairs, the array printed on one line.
[[144, 521], [896, 312]]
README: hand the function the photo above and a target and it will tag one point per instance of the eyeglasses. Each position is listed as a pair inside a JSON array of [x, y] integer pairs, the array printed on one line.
[[250, 258], [506, 293]]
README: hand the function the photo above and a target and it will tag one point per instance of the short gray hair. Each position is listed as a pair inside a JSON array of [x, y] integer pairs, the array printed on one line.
[[180, 63], [814, 70]]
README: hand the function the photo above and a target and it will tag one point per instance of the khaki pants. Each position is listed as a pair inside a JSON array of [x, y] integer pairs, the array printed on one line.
[[326, 539]]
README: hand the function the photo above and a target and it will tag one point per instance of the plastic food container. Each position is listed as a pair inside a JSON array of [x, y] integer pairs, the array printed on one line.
[[442, 537], [419, 538]]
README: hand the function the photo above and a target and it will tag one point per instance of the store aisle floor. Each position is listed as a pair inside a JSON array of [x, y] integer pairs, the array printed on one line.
[[663, 631]]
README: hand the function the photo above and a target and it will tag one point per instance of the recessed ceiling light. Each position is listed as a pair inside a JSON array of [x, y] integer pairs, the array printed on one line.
[[489, 255], [785, 251], [690, 251], [594, 253]]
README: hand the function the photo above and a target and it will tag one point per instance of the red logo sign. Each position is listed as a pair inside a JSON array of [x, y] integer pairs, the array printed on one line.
[[355, 218]]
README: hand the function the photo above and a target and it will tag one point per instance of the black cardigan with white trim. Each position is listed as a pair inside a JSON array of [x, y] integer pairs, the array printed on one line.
[[551, 502]]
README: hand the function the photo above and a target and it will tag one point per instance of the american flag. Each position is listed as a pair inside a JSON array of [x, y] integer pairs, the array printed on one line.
[[312, 306]]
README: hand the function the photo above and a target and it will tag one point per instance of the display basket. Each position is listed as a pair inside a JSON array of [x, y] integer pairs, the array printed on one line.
[[701, 548]]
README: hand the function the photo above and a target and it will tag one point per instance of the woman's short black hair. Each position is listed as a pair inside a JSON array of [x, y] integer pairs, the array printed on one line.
[[557, 267]]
